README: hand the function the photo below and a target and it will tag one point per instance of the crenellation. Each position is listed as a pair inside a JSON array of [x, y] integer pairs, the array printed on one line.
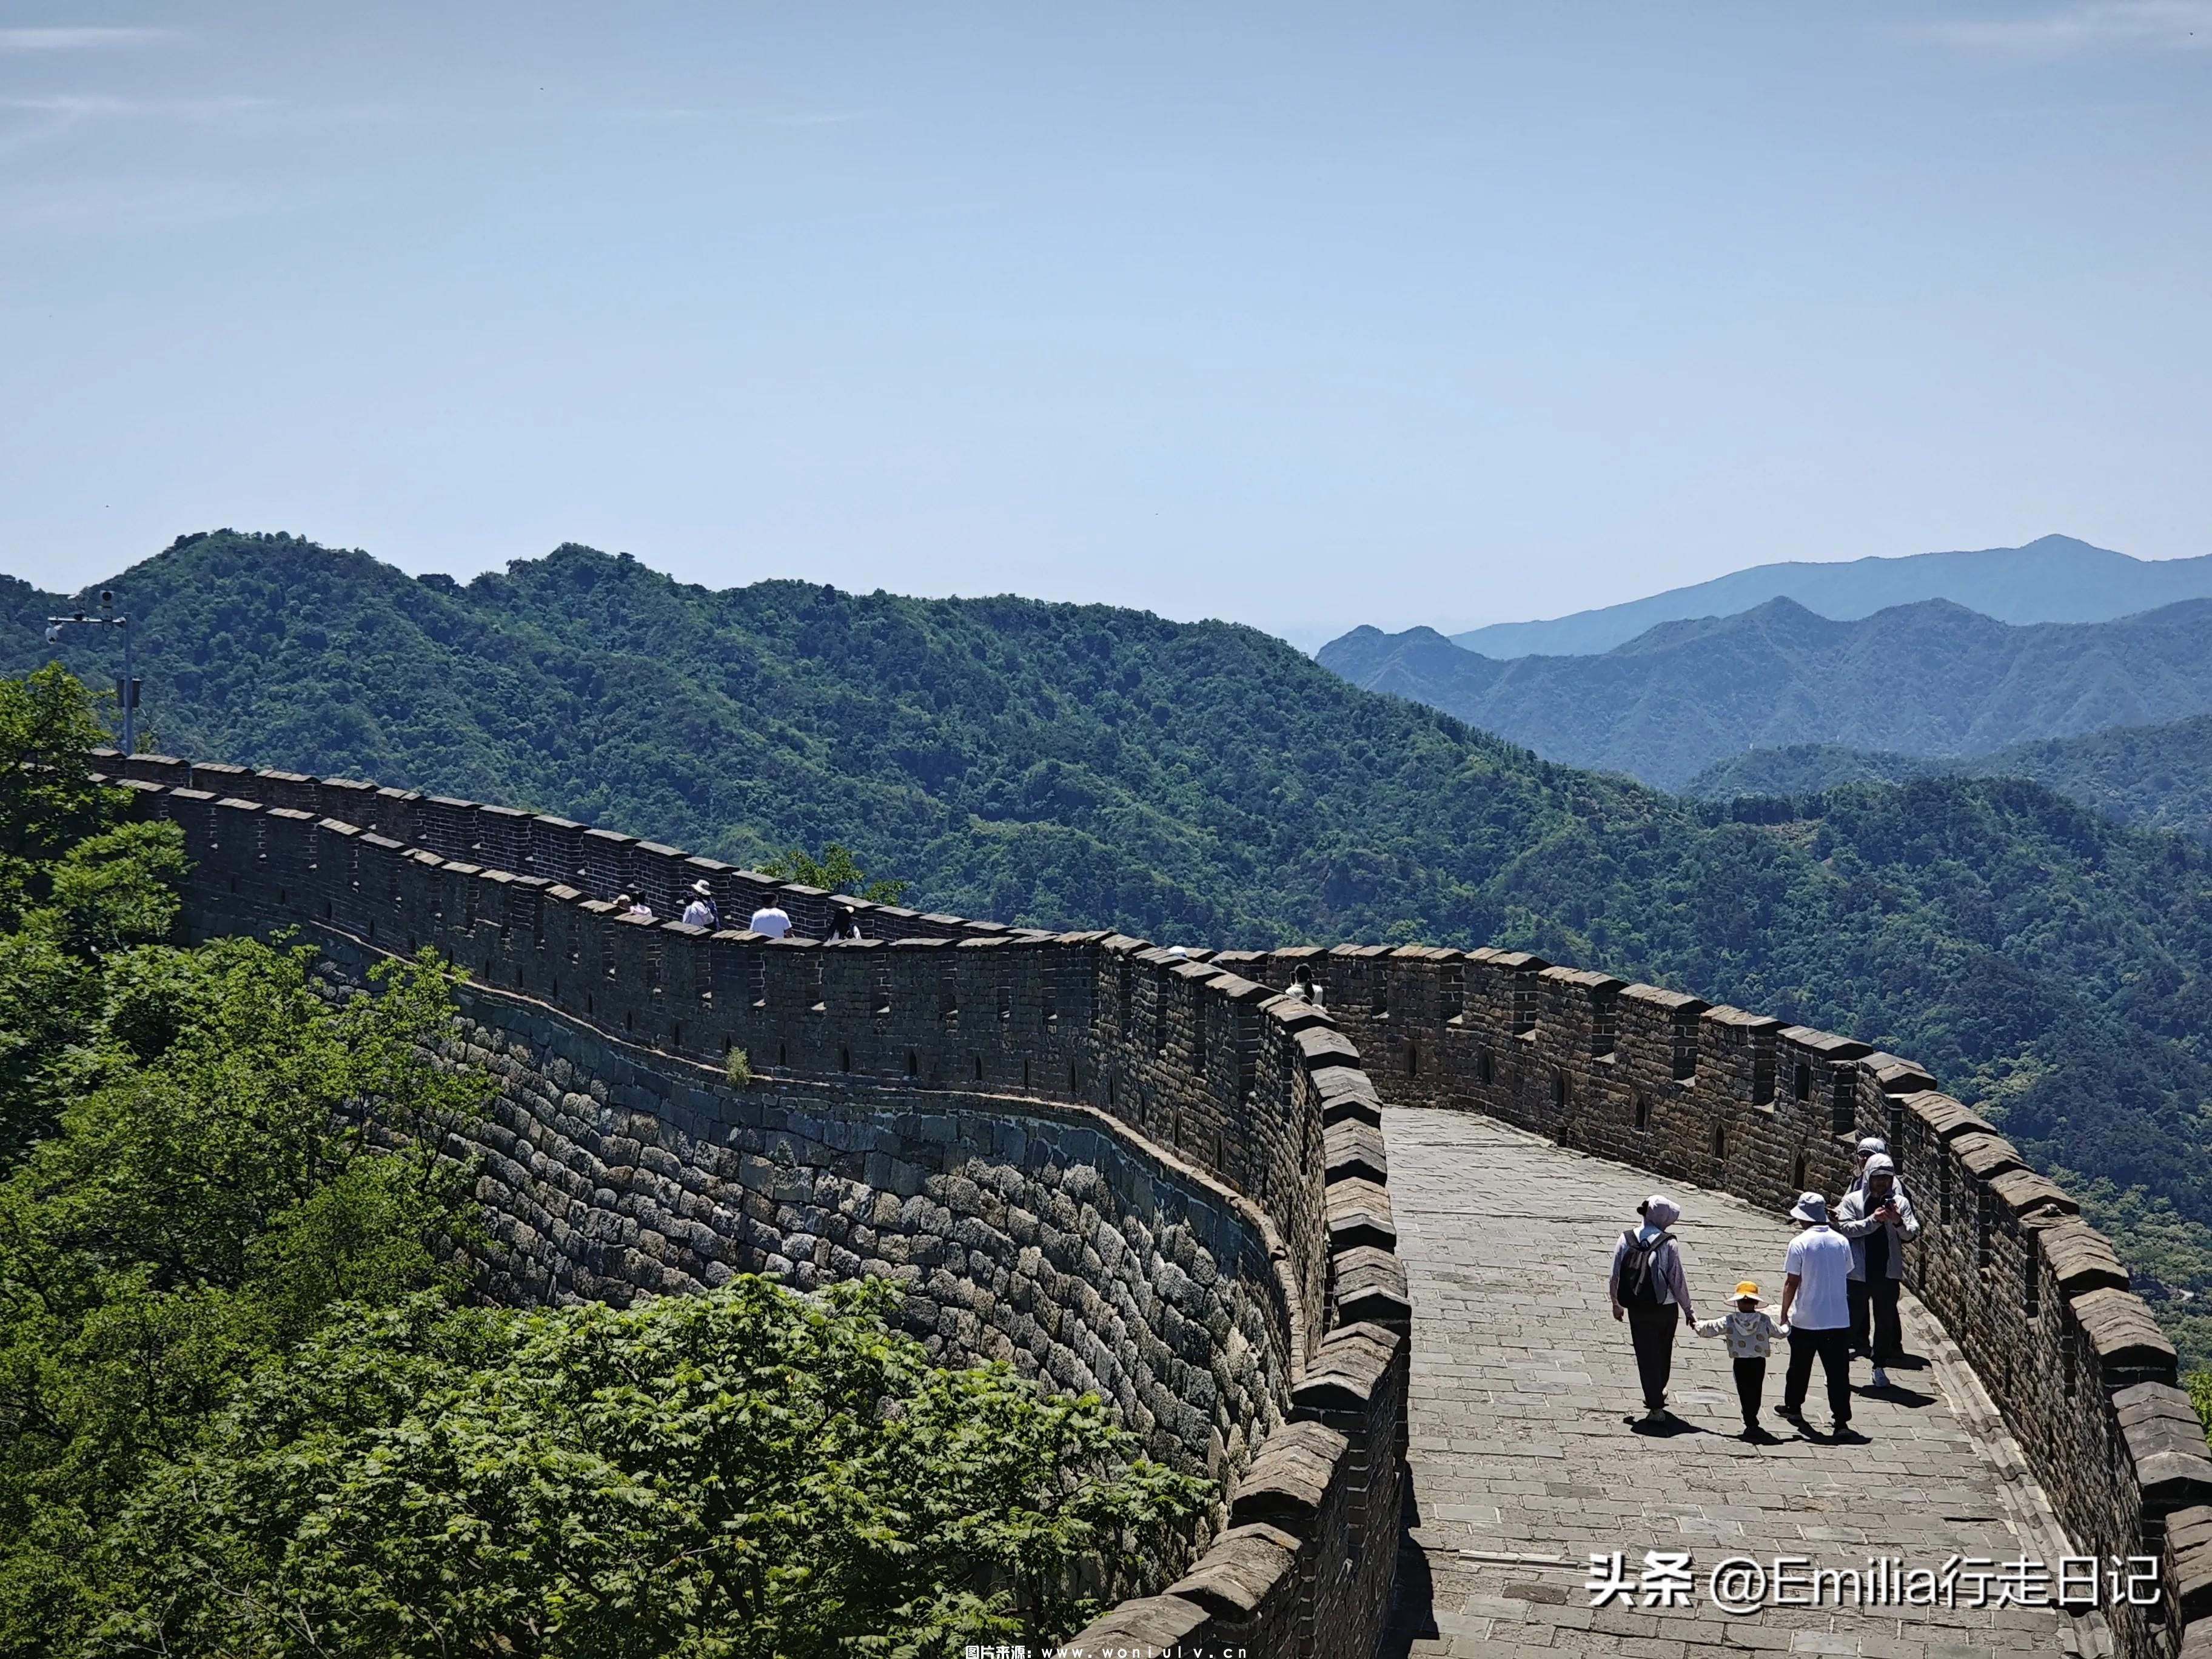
[[1132, 1189], [1146, 1170]]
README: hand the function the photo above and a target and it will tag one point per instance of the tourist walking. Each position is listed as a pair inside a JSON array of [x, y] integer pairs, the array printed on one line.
[[630, 905], [1750, 1333], [1879, 1221], [771, 919], [1303, 986], [703, 911], [843, 924], [1816, 1274], [1650, 1292]]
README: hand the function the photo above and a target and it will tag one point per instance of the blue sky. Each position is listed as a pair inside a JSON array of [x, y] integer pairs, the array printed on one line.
[[1304, 316]]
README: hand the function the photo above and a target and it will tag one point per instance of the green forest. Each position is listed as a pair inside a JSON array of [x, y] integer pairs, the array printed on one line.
[[248, 1405], [2155, 777], [1203, 783]]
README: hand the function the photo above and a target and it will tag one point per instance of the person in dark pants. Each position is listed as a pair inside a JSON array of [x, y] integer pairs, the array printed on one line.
[[1750, 1335], [1816, 1306], [1651, 1293], [1877, 1219], [1862, 1307]]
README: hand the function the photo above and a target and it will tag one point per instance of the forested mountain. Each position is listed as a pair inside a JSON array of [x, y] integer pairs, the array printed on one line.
[[1804, 769], [1932, 679], [1205, 783], [2052, 579], [2157, 777]]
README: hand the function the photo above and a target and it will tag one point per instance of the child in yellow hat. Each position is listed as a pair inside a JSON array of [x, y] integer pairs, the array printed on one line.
[[1750, 1333]]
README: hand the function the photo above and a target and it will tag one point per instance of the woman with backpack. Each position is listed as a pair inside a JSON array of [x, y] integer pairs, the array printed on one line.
[[1650, 1292]]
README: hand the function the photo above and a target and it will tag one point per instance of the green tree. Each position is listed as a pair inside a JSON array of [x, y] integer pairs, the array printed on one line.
[[76, 886], [747, 1472], [209, 1191], [835, 872]]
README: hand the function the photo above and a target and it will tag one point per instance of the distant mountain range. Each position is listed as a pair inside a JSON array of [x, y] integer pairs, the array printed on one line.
[[2055, 578], [1930, 679], [2155, 777], [1084, 765]]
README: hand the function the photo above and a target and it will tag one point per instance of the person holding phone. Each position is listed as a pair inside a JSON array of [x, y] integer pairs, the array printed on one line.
[[1879, 1221]]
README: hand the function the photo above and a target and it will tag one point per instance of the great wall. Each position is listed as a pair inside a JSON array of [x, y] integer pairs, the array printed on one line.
[[1145, 1172]]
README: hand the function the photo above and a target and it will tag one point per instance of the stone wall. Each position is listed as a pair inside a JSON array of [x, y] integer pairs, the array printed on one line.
[[1116, 1165], [1216, 1096], [2036, 1299]]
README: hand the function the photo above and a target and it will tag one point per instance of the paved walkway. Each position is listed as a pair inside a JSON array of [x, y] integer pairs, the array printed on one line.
[[1524, 1462]]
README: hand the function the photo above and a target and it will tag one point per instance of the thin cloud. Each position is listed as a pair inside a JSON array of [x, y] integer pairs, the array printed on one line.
[[826, 118], [124, 207], [82, 106], [79, 40], [52, 116], [2163, 25]]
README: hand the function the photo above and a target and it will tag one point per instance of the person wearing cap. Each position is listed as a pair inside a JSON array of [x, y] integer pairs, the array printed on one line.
[[1650, 1290], [703, 911], [1861, 1318], [1879, 1221], [631, 905], [1868, 1147], [1750, 1333], [843, 924], [1816, 1306]]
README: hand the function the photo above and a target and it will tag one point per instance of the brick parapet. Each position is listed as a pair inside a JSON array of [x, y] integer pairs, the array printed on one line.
[[2037, 1300], [1194, 1052], [1193, 1069]]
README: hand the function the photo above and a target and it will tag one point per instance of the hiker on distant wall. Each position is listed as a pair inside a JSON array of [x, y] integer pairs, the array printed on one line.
[[703, 911], [1879, 1221], [843, 924], [1304, 986], [771, 919], [1651, 1291]]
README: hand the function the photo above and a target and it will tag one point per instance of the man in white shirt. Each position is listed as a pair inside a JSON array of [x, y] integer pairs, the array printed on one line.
[[1816, 1276], [772, 919]]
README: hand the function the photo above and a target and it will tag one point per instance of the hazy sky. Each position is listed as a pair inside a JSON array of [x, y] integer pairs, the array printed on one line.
[[1305, 316]]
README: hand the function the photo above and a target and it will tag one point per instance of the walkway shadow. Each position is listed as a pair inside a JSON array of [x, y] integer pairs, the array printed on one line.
[[1412, 1610], [1665, 1429], [1910, 1398]]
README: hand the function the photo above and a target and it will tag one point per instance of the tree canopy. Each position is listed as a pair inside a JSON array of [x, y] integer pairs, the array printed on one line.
[[248, 1405]]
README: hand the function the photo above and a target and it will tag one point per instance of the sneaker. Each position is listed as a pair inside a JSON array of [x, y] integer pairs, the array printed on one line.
[[1880, 1377], [1656, 1414], [1795, 1414]]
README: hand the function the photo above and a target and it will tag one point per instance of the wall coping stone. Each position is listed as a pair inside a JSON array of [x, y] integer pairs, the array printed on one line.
[[1240, 1571], [1287, 1482]]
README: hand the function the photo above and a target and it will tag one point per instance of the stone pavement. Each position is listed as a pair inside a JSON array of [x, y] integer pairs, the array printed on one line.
[[1524, 1462]]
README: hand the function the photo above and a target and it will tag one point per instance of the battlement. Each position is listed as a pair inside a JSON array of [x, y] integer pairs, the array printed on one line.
[[1197, 1063], [965, 1072]]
